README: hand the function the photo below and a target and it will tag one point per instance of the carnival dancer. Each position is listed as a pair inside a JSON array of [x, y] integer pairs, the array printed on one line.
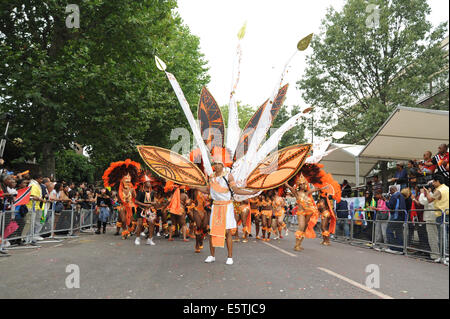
[[177, 209], [266, 214], [328, 219], [306, 208], [146, 212], [125, 175], [243, 216], [222, 221], [199, 216], [254, 211], [278, 204]]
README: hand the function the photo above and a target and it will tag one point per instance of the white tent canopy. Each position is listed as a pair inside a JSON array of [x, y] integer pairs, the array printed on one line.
[[407, 134], [342, 163]]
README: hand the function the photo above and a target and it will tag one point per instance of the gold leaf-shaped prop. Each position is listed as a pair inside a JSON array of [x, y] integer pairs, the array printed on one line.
[[278, 167], [303, 44], [160, 64], [241, 32], [172, 166]]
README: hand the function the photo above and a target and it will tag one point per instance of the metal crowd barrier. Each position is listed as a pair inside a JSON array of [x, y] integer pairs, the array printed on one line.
[[52, 227], [427, 239]]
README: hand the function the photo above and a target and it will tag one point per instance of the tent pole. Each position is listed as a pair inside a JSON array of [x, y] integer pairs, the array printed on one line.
[[357, 170]]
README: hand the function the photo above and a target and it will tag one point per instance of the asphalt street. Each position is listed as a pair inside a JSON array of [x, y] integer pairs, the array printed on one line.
[[114, 268]]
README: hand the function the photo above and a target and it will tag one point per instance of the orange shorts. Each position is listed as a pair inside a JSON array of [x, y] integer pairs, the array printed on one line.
[[255, 211], [267, 213]]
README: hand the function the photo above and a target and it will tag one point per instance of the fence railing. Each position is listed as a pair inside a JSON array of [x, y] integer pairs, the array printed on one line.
[[17, 231], [394, 231]]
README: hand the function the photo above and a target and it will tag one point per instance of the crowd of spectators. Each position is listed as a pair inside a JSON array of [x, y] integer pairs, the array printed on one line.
[[51, 195], [418, 194]]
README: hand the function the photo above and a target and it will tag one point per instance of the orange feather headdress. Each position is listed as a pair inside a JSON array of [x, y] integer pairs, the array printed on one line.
[[118, 170]]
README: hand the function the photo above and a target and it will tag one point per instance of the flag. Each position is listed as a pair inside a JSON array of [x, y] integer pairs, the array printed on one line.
[[23, 196], [11, 228]]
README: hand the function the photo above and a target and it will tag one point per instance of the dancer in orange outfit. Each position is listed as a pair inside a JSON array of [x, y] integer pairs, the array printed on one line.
[[254, 210], [266, 213], [278, 224], [242, 215], [328, 223], [306, 208]]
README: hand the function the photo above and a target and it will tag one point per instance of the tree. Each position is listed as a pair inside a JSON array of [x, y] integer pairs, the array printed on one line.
[[245, 113], [96, 85], [295, 135], [71, 166], [360, 71]]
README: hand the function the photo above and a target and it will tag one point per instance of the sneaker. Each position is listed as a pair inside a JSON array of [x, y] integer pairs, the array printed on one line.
[[210, 259], [437, 260], [158, 234], [377, 248], [229, 261], [287, 233], [6, 244], [137, 241], [388, 250], [142, 234], [150, 242], [38, 238]]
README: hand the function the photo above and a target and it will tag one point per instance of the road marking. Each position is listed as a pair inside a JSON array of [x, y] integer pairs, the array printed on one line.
[[280, 249], [354, 283], [58, 245]]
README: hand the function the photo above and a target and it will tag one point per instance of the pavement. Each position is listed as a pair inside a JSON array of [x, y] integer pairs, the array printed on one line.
[[110, 267]]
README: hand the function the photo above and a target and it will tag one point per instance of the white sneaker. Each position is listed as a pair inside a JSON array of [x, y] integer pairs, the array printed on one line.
[[158, 234], [388, 250], [38, 238], [437, 260], [6, 244], [287, 233], [137, 241], [142, 234], [276, 238], [377, 248], [210, 259], [150, 242], [229, 261]]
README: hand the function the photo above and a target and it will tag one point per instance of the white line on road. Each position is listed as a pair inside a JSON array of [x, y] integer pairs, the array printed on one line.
[[58, 245], [280, 249], [354, 283]]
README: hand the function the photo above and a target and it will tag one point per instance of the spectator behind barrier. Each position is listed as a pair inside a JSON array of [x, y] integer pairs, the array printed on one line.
[[394, 231], [400, 176]]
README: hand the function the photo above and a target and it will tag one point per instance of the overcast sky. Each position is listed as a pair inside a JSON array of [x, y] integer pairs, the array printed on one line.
[[273, 29]]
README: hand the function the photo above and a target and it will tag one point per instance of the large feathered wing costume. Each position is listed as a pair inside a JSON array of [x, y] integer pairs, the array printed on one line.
[[252, 163]]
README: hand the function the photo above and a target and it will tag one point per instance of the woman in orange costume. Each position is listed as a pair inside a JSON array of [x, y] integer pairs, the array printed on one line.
[[242, 215], [306, 208], [126, 175], [200, 217], [177, 209], [328, 223], [254, 210], [278, 224], [266, 213]]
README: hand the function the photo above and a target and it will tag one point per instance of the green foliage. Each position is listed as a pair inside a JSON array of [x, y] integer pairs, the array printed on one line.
[[97, 85], [245, 113], [71, 166], [357, 74], [295, 135]]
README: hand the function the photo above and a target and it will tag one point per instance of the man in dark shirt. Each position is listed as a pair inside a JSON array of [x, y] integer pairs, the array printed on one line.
[[394, 230], [343, 222]]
